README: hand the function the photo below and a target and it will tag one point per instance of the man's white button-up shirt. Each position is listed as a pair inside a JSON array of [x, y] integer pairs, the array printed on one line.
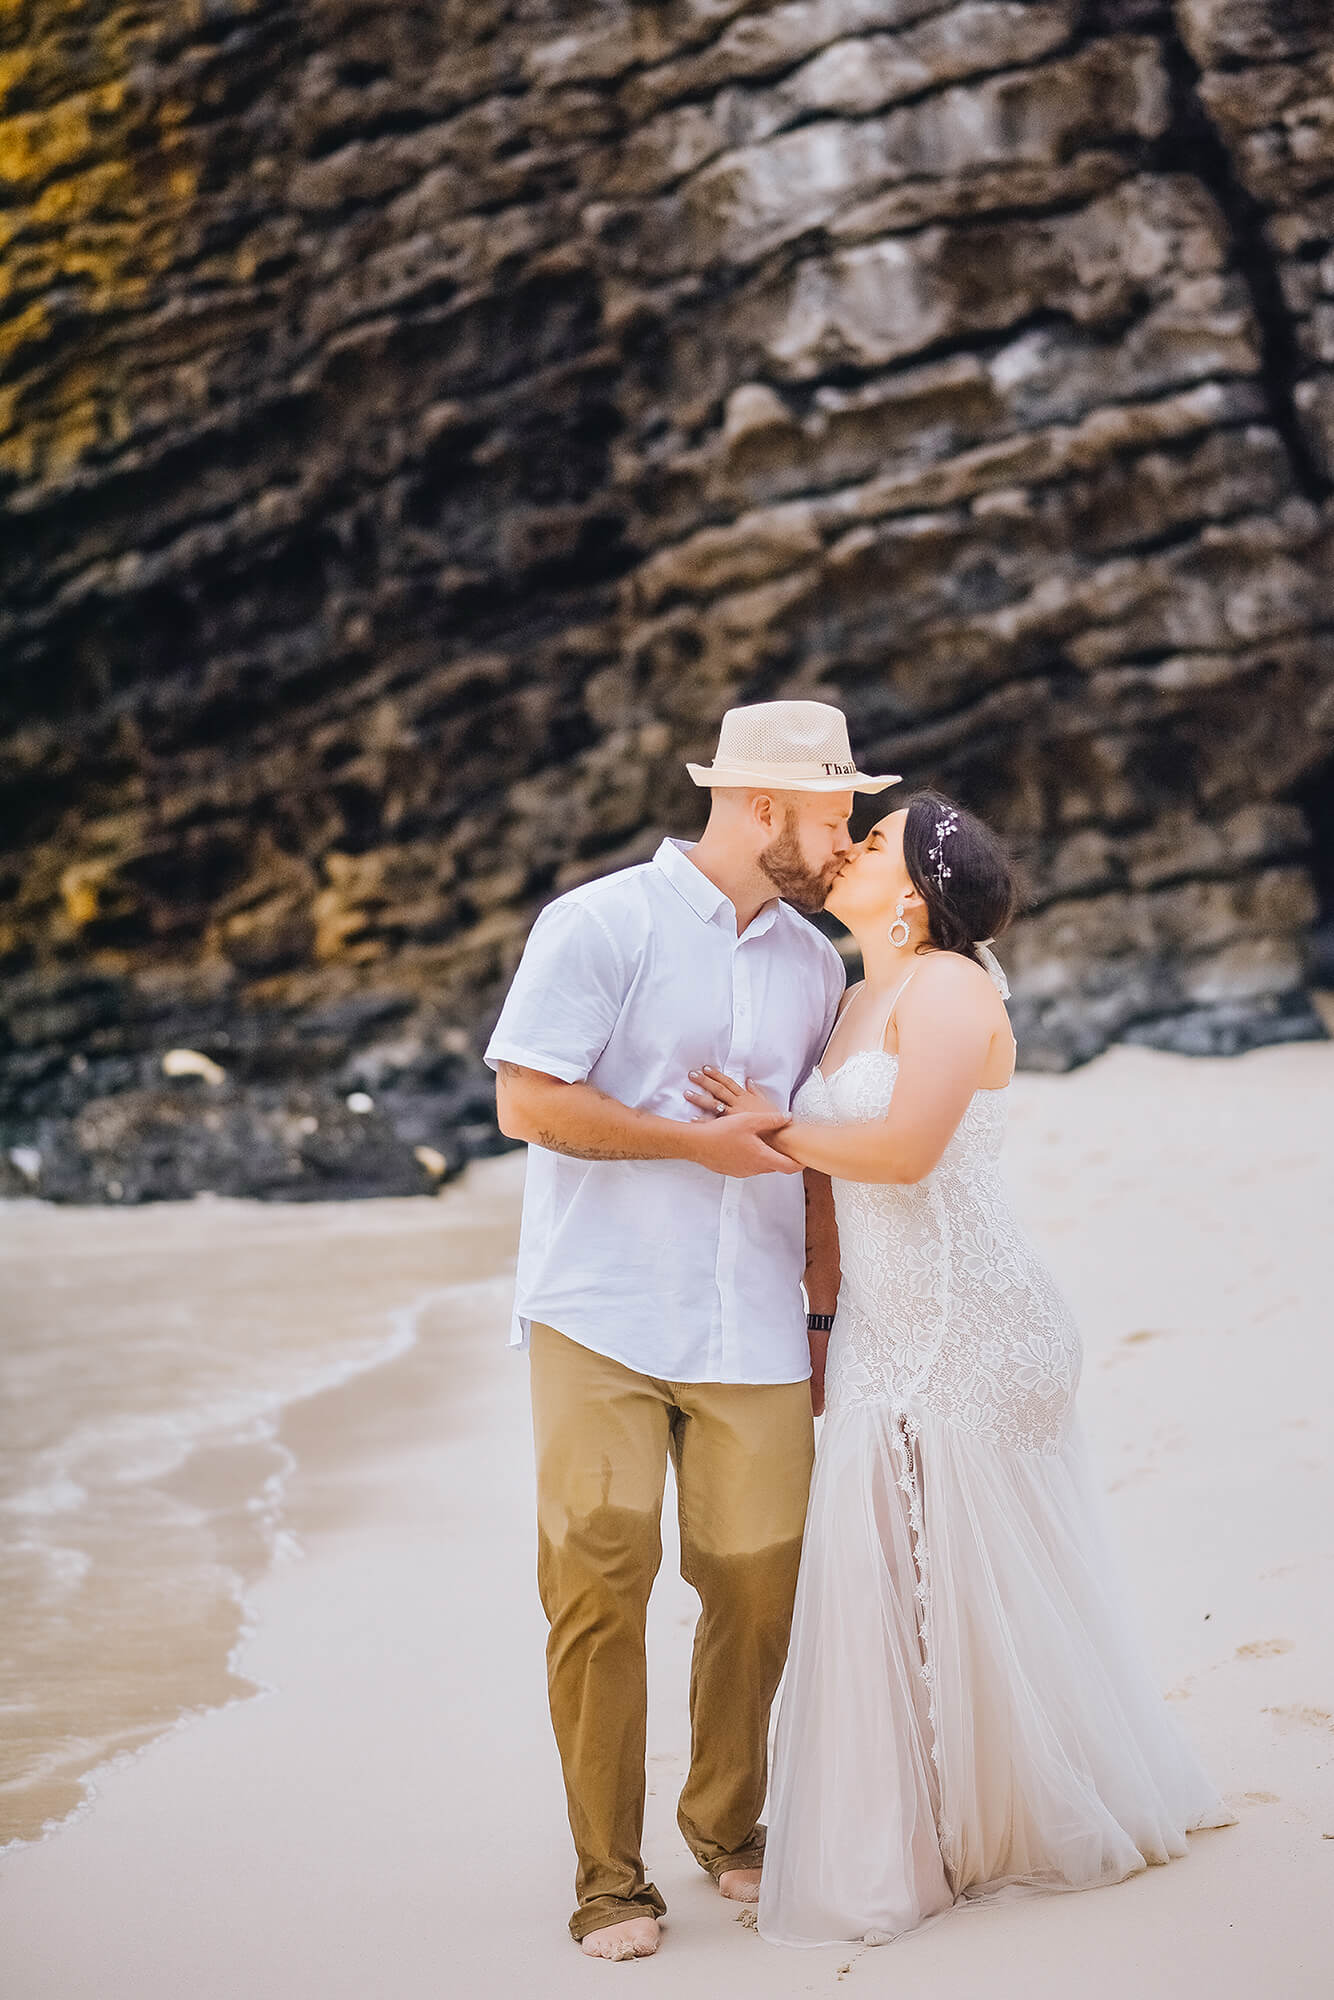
[[630, 983]]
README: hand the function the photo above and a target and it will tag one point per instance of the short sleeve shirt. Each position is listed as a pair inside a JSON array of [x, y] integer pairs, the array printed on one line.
[[630, 983]]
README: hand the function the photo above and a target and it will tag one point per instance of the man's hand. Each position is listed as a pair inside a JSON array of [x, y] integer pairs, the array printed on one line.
[[585, 1124], [735, 1145]]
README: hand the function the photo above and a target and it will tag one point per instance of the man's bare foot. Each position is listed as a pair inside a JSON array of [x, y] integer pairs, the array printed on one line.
[[636, 1938], [740, 1885]]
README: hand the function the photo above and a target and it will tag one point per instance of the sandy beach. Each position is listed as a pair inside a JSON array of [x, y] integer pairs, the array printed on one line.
[[332, 1572]]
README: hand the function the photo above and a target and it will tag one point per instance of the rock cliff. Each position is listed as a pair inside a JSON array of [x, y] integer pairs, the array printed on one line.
[[418, 423]]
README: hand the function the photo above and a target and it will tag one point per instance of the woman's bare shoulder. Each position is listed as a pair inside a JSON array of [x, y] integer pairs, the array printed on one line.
[[946, 974], [950, 965]]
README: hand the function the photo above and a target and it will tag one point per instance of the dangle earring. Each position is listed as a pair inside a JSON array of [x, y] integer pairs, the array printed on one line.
[[900, 923]]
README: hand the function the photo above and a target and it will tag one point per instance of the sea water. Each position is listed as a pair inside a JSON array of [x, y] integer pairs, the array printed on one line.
[[147, 1358]]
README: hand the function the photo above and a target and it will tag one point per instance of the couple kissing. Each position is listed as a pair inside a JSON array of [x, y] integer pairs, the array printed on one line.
[[755, 1196]]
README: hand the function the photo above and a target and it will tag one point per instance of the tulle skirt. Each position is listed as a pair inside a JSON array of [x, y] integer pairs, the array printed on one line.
[[966, 1711]]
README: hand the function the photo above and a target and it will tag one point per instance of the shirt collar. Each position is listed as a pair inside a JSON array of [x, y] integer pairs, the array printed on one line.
[[705, 898]]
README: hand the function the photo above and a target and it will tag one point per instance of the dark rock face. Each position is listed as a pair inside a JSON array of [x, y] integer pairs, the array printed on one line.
[[418, 424]]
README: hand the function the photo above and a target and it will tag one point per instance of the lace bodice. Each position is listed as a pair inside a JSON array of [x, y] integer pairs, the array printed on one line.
[[944, 1304]]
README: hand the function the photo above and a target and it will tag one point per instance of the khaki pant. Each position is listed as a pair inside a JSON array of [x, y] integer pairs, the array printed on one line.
[[743, 1456]]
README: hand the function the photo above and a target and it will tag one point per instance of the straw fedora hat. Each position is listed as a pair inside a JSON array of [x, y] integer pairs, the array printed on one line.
[[786, 746]]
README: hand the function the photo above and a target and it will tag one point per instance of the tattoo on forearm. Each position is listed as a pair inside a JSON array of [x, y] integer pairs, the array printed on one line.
[[570, 1094], [590, 1150]]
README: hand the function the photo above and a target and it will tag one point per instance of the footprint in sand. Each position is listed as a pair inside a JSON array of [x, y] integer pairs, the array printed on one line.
[[1264, 1649], [1304, 1718]]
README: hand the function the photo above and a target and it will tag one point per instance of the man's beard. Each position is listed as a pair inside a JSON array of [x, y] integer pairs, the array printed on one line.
[[792, 875]]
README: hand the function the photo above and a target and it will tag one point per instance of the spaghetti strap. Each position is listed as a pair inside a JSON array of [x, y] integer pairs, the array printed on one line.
[[852, 991], [895, 1001], [900, 993]]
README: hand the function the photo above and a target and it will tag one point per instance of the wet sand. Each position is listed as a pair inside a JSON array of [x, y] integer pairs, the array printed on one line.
[[387, 1817]]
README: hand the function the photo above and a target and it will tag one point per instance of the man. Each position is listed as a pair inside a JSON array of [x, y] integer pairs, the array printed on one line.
[[660, 1265]]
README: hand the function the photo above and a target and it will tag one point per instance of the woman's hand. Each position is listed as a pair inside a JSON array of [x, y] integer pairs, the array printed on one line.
[[717, 1092]]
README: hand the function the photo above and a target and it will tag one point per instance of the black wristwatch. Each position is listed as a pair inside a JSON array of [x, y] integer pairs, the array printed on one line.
[[819, 1322]]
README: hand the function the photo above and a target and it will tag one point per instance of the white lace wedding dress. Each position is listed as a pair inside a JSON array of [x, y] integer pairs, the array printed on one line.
[[966, 1710]]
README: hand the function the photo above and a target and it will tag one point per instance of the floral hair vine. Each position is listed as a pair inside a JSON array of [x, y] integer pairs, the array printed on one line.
[[945, 826]]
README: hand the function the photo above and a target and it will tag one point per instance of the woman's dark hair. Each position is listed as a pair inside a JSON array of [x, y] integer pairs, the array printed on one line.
[[961, 871]]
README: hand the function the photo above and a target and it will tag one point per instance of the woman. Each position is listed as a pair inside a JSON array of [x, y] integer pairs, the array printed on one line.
[[966, 1709]]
